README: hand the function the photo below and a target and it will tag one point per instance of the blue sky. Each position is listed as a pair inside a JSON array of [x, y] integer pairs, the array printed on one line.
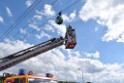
[[99, 29]]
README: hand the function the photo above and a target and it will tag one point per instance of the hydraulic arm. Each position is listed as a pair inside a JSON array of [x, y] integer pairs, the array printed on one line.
[[13, 59]]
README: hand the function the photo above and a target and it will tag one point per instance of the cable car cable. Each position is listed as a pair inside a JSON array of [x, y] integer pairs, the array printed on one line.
[[34, 19], [62, 10], [17, 21], [70, 5], [26, 26], [40, 24], [20, 19], [58, 12], [12, 28]]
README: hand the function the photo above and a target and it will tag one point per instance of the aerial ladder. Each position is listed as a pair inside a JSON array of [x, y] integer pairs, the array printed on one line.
[[69, 41]]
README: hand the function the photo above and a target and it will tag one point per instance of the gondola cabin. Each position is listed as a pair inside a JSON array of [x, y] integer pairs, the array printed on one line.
[[59, 19], [70, 37]]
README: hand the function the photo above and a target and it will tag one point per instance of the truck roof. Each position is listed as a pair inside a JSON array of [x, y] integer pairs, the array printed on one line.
[[32, 76]]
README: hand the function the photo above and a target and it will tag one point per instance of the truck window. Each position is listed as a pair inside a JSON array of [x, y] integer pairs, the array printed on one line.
[[16, 80], [8, 82], [22, 80], [34, 80]]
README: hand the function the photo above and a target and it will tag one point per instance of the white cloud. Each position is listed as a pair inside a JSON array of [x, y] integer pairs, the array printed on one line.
[[23, 31], [69, 18], [28, 3], [48, 27], [53, 27], [48, 11], [8, 11], [108, 13], [56, 62], [96, 28], [93, 55], [43, 34], [9, 47], [60, 29], [1, 19], [34, 26], [38, 15]]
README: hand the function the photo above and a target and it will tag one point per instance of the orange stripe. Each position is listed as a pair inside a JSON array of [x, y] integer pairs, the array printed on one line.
[[31, 76]]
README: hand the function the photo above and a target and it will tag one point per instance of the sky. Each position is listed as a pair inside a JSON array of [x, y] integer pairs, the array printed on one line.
[[98, 55]]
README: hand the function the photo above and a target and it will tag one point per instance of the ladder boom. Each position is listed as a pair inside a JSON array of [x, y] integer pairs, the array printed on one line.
[[13, 59], [23, 55]]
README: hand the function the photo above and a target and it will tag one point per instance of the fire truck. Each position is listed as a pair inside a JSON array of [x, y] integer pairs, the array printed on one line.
[[8, 61], [26, 78]]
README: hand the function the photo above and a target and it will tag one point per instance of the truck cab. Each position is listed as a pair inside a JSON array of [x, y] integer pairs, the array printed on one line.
[[29, 79]]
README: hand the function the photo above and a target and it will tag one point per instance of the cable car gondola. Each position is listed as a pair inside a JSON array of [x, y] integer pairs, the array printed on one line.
[[59, 19]]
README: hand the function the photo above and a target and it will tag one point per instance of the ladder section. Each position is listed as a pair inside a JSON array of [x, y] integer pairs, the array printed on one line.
[[33, 51]]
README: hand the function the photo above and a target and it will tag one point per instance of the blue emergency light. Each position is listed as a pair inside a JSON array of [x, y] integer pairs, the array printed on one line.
[[21, 72]]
